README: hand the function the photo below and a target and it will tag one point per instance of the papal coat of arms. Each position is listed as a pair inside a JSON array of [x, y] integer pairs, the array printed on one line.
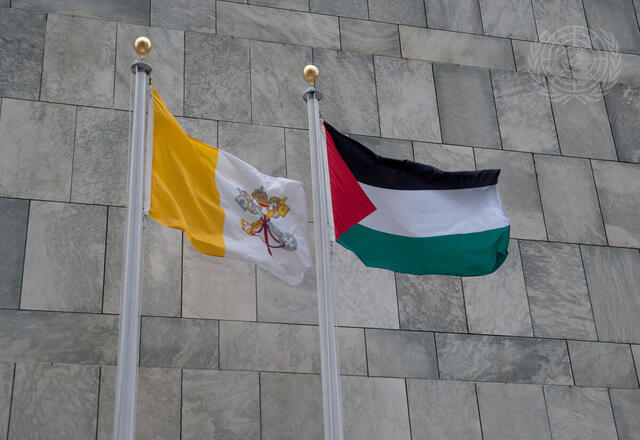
[[267, 208]]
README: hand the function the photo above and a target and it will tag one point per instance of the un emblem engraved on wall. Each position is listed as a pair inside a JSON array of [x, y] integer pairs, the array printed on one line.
[[575, 72]]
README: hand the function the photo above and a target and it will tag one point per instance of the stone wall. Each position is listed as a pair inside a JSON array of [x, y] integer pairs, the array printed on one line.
[[544, 347]]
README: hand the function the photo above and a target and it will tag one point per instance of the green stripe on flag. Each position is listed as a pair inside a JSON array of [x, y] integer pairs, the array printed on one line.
[[477, 253]]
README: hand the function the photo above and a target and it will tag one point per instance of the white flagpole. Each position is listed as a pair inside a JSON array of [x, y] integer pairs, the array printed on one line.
[[124, 422], [331, 402]]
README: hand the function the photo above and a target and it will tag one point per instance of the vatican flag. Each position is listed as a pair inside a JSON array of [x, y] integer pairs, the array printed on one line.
[[225, 206]]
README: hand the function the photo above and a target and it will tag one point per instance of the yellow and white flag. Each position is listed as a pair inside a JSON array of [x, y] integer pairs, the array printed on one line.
[[226, 207]]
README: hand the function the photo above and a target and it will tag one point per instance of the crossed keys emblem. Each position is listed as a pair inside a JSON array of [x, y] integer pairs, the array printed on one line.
[[267, 208]]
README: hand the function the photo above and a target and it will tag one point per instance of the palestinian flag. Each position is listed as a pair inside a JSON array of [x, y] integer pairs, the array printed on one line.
[[413, 218]]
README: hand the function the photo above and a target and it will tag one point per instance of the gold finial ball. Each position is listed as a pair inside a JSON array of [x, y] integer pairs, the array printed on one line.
[[142, 45], [310, 73]]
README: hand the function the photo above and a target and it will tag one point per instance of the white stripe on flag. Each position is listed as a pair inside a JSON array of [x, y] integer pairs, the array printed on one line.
[[430, 213]]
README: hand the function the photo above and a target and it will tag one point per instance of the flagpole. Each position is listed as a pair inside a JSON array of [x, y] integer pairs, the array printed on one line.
[[124, 422], [331, 402]]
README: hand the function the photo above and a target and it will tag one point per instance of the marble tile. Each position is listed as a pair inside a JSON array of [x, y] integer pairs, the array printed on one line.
[[352, 354], [132, 11], [291, 406], [64, 239], [276, 86], [618, 187], [615, 67], [603, 66], [161, 270], [513, 411], [393, 148], [497, 303], [456, 48], [217, 77], [13, 236], [101, 157], [561, 22], [583, 413], [161, 265], [581, 119], [541, 58], [220, 404], [635, 351], [613, 25], [68, 74], [392, 353], [625, 410], [72, 338], [558, 296], [59, 401], [466, 107], [6, 387], [204, 130], [349, 94], [369, 37], [157, 406], [432, 302], [188, 15], [179, 343], [524, 112], [36, 143], [518, 186], [280, 302], [613, 280], [343, 8], [508, 18], [460, 16], [597, 364], [21, 52], [217, 288], [503, 359], [409, 12], [445, 157], [299, 163], [166, 58], [296, 5], [375, 409], [259, 146], [363, 296], [569, 200], [286, 348], [113, 267], [443, 410], [623, 104], [407, 99], [280, 26], [269, 347]]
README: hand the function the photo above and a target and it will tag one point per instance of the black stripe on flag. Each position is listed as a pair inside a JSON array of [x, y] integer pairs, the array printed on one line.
[[371, 169]]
